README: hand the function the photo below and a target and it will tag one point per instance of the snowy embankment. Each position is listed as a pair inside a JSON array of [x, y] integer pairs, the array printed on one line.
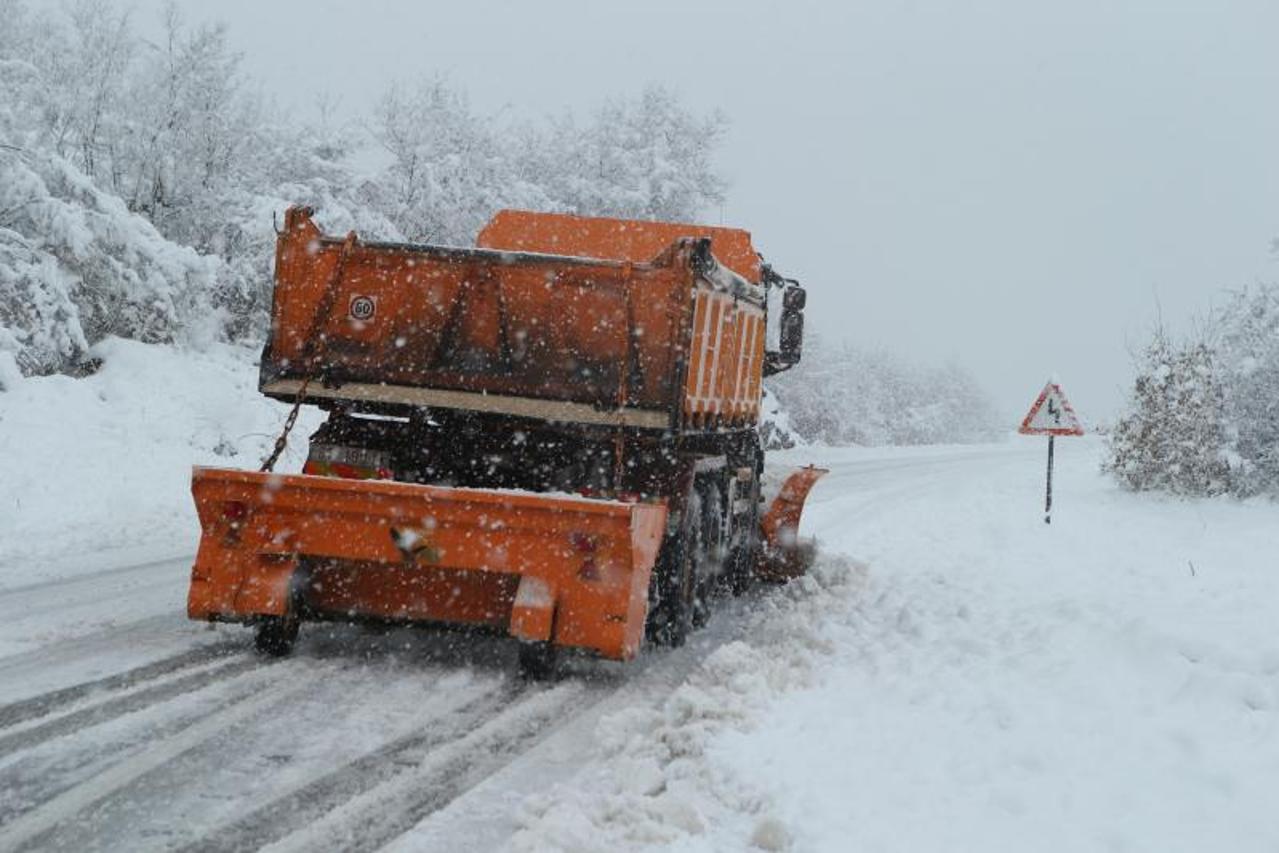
[[976, 681], [96, 471]]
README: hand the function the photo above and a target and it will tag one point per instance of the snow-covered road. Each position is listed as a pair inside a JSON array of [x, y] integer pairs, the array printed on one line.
[[963, 677]]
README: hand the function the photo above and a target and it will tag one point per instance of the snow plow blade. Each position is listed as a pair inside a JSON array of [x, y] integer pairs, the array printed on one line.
[[544, 568], [784, 556]]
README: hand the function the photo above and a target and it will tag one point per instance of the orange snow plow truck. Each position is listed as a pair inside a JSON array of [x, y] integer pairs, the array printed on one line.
[[552, 435]]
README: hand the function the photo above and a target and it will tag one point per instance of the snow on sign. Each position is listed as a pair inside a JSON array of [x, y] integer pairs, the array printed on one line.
[[1051, 414]]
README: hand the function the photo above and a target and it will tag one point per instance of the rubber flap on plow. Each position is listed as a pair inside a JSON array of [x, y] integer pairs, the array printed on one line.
[[543, 567]]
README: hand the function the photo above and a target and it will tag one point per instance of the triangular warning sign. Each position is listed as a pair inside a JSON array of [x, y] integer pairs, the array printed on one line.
[[1051, 414]]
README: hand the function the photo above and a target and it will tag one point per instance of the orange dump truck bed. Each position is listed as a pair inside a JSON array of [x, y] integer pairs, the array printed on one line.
[[671, 339]]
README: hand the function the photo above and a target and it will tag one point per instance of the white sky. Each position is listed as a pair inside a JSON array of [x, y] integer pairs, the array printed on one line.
[[1008, 184]]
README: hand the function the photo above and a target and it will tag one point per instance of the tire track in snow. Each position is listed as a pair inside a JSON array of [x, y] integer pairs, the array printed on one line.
[[312, 801], [90, 579], [43, 771], [130, 702], [435, 777], [31, 828], [47, 703]]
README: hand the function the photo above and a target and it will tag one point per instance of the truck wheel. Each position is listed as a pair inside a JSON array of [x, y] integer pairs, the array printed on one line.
[[709, 554], [742, 576], [743, 556], [276, 634], [682, 602], [537, 660], [674, 586]]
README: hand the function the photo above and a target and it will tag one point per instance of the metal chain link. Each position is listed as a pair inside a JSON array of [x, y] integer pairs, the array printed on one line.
[[312, 353]]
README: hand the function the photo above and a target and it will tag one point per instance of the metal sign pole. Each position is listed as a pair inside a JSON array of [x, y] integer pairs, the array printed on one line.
[[1048, 501], [1052, 415]]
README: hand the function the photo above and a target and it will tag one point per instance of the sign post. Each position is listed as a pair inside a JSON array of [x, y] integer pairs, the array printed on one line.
[[1051, 415]]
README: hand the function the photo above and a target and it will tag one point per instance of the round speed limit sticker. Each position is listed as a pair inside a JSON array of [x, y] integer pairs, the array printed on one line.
[[362, 308]]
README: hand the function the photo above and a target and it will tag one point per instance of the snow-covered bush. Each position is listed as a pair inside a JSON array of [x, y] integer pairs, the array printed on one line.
[[1248, 347], [840, 394], [75, 265], [775, 430], [1173, 437], [1204, 416]]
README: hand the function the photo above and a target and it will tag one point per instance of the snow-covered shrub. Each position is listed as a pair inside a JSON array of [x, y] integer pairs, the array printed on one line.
[[1173, 437], [1204, 415], [75, 265], [775, 430], [1248, 347], [840, 394]]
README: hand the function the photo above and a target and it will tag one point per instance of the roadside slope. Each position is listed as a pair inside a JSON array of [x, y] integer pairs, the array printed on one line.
[[994, 683]]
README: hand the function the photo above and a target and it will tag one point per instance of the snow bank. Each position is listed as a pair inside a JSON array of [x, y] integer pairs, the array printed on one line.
[[990, 683], [652, 785], [104, 463]]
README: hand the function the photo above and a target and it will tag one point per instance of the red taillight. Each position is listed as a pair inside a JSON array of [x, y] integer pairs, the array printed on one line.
[[587, 545]]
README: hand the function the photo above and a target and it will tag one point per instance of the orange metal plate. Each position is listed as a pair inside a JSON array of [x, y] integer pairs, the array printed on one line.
[[405, 551]]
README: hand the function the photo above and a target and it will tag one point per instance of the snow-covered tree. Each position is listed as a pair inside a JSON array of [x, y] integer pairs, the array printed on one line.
[[641, 158], [1173, 437], [1204, 416], [1248, 331], [449, 169], [841, 394], [139, 180]]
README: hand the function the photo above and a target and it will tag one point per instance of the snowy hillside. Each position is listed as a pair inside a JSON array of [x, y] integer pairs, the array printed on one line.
[[103, 464]]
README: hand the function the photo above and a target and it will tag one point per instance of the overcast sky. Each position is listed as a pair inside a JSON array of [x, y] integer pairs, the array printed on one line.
[[1013, 186]]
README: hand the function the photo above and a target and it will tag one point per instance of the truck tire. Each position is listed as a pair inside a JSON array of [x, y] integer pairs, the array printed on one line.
[[277, 634], [671, 620], [740, 568], [537, 660], [708, 553]]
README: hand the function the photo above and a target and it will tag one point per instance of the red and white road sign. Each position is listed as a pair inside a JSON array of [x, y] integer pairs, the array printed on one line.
[[1051, 414]]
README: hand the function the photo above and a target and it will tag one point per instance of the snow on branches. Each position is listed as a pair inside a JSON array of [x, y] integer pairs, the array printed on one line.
[[1204, 413], [840, 395], [139, 179]]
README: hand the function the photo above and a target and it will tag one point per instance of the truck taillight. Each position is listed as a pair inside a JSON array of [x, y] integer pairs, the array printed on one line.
[[586, 545], [233, 514]]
